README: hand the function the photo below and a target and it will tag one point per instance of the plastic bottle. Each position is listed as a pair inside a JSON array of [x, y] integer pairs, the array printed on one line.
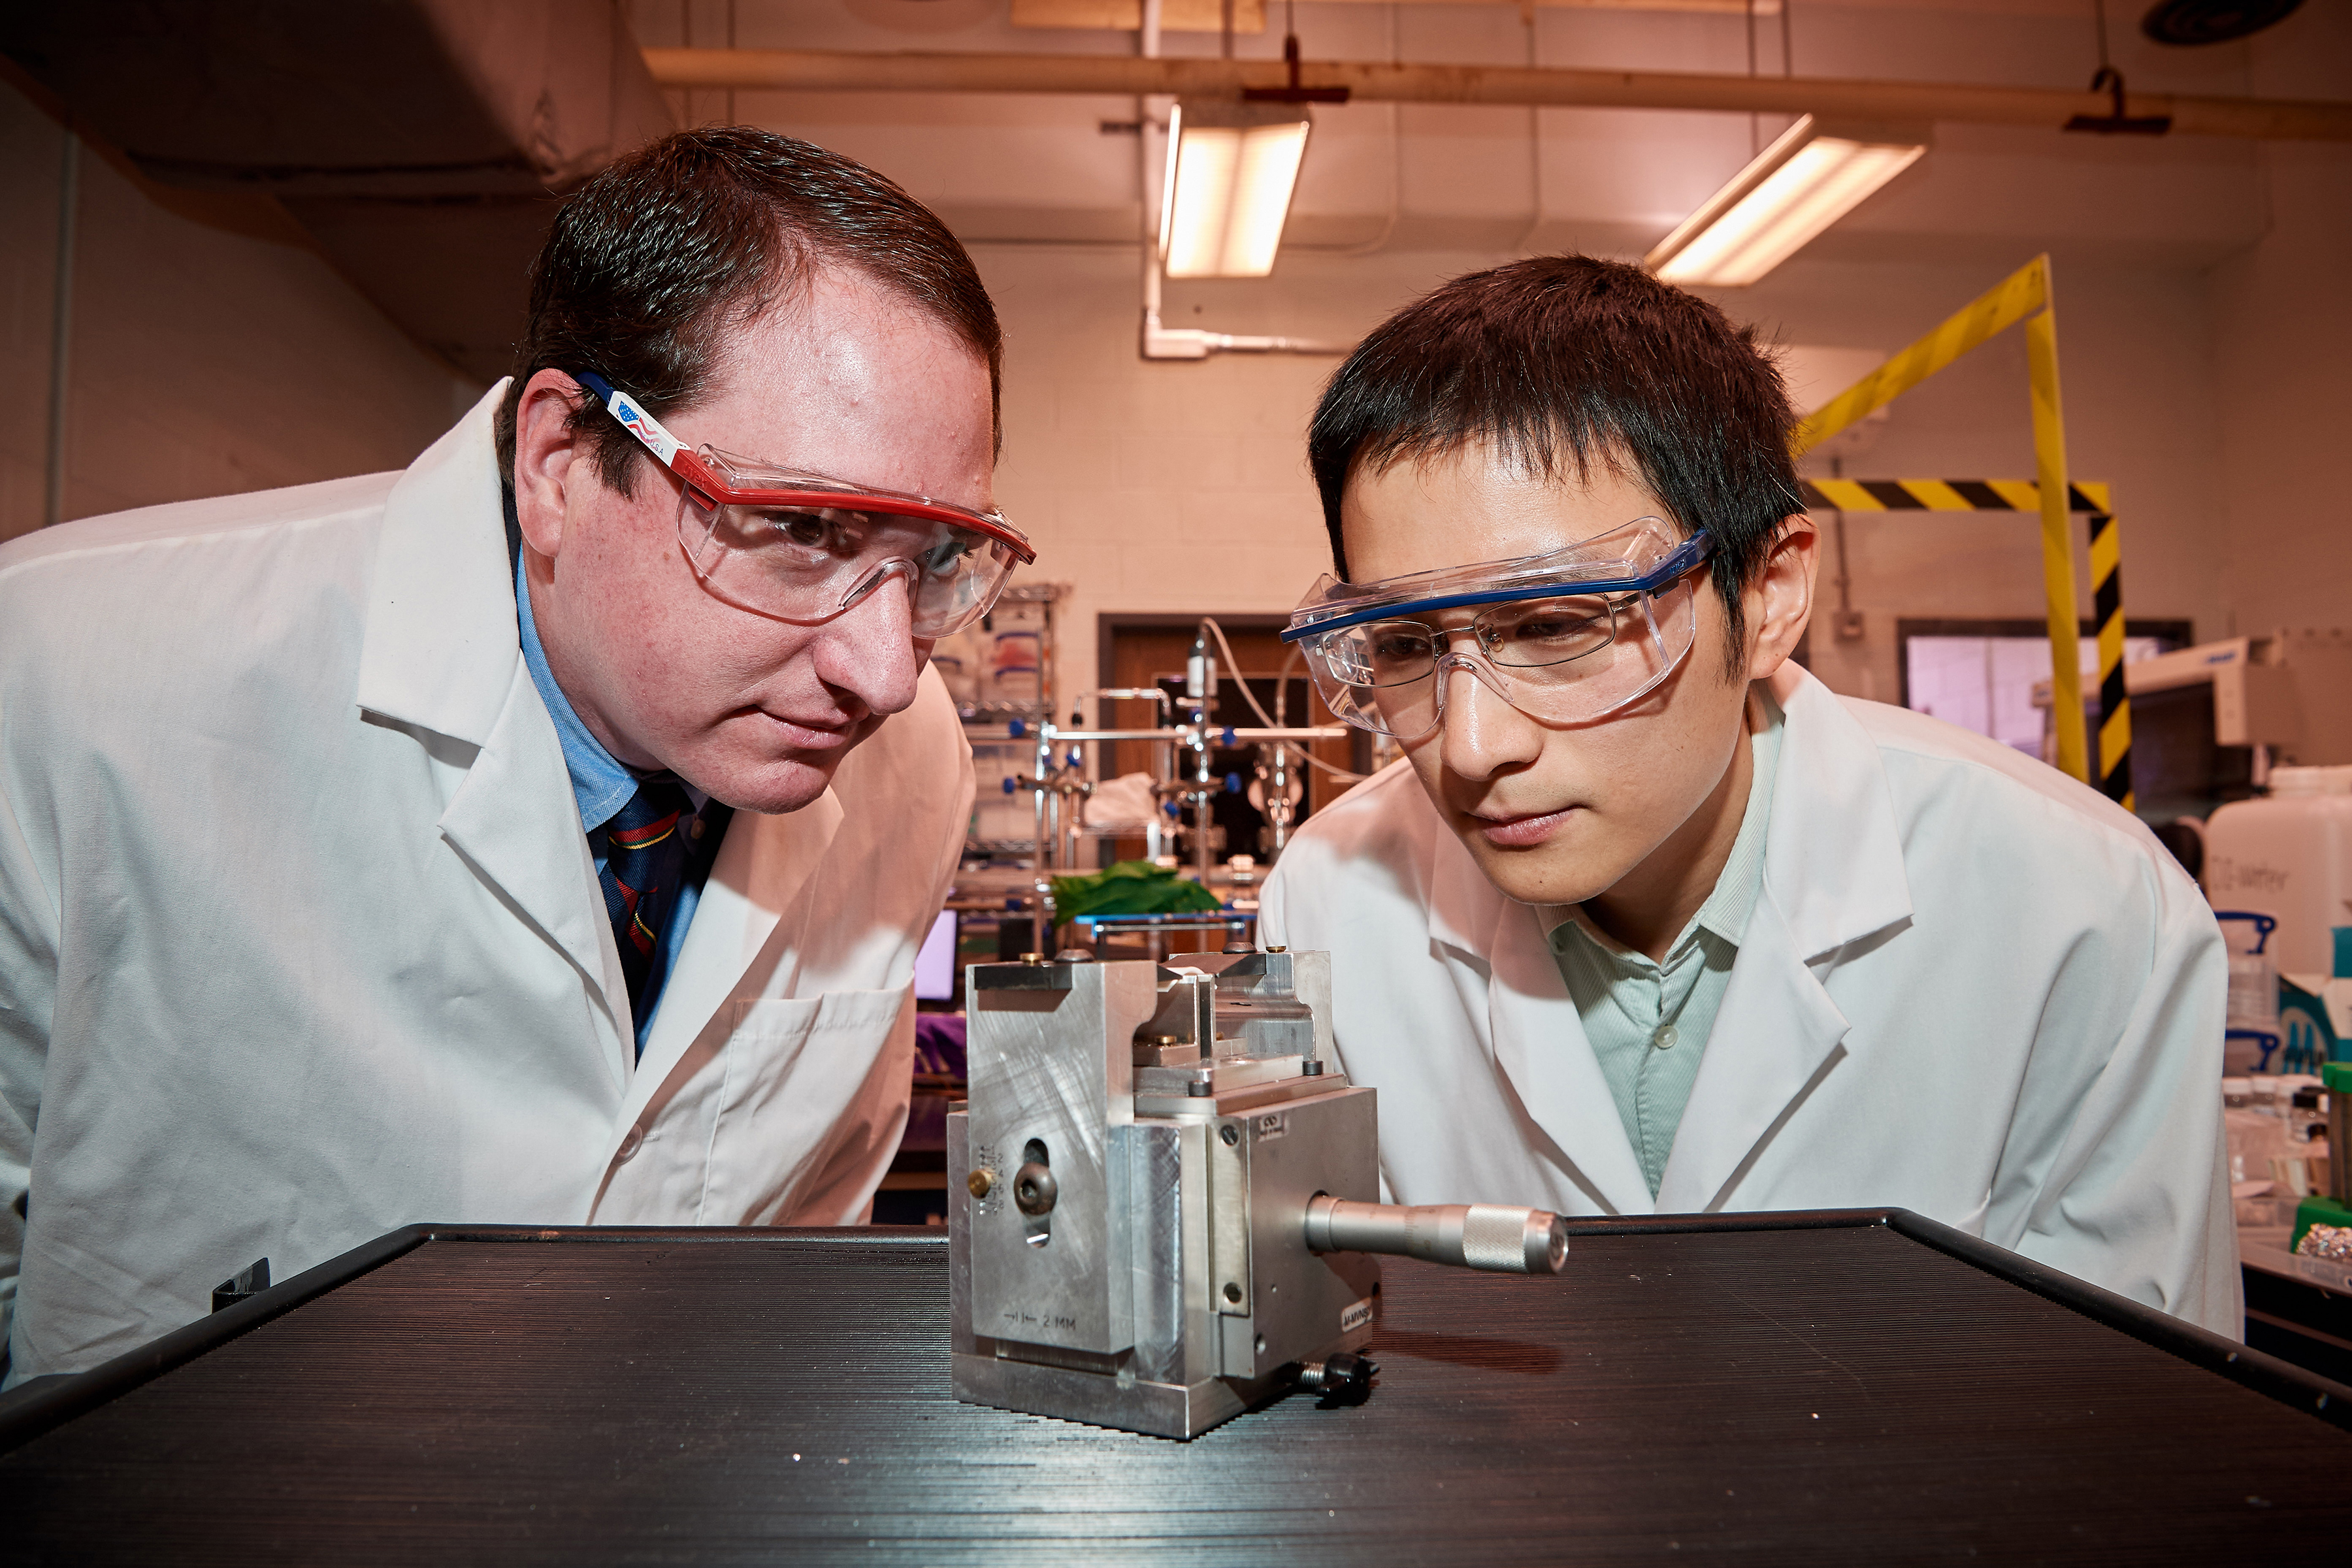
[[2288, 855]]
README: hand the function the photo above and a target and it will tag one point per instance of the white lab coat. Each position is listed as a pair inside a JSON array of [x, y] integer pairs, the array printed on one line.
[[1970, 987], [300, 940]]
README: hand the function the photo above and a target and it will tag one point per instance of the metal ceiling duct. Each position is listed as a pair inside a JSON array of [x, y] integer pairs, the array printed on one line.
[[422, 142]]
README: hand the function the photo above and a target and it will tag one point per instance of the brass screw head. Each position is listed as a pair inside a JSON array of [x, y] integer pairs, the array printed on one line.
[[981, 1182]]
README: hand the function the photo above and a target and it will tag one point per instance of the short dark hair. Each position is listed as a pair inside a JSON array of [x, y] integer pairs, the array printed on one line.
[[651, 261], [1562, 361]]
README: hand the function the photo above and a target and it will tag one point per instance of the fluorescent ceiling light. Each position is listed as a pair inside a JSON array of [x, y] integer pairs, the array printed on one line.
[[1230, 170], [1806, 181]]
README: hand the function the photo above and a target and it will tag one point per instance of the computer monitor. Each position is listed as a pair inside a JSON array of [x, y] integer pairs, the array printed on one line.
[[935, 962]]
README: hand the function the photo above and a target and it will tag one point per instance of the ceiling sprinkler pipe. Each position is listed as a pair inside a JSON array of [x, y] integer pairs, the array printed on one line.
[[810, 71], [1189, 342]]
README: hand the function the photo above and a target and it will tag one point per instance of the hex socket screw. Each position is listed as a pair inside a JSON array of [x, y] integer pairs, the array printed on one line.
[[1035, 1190]]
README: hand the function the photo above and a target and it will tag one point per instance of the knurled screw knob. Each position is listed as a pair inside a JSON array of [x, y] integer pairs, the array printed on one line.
[[1344, 1379]]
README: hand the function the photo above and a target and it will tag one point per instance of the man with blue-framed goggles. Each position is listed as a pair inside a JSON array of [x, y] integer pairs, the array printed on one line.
[[1674, 927], [1566, 638], [801, 547]]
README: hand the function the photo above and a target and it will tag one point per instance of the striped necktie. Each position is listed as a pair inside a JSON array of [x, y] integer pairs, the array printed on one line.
[[652, 847]]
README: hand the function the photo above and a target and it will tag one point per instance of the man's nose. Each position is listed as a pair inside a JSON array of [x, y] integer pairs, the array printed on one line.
[[868, 650], [1481, 733]]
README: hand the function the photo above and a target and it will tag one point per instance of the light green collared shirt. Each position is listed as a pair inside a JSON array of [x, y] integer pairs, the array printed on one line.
[[1649, 1022]]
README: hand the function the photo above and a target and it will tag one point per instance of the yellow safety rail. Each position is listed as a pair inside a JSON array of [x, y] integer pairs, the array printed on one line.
[[2025, 295]]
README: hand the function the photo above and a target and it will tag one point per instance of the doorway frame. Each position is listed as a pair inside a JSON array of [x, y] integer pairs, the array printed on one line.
[[1108, 624]]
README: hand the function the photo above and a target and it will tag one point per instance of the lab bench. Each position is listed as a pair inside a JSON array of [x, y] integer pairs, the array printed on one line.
[[1864, 1387], [2297, 1308]]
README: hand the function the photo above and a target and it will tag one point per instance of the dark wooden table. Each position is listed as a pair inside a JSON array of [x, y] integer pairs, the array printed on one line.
[[1863, 1388]]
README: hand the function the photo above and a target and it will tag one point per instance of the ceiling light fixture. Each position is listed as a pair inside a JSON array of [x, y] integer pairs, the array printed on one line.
[[1231, 168], [1813, 176], [2194, 22]]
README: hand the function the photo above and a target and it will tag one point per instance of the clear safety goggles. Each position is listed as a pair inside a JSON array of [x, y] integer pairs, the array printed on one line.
[[803, 547], [1565, 637]]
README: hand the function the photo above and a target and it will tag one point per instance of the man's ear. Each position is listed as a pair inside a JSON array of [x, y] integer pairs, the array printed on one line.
[[1781, 598], [545, 446]]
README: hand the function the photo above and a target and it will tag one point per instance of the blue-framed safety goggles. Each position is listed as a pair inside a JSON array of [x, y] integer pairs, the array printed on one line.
[[1566, 636]]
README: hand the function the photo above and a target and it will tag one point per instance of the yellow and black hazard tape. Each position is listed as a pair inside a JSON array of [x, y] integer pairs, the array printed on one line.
[[1940, 495], [2107, 577], [2114, 702], [2025, 295]]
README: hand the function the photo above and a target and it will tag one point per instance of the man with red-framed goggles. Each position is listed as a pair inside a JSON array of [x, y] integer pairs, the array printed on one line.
[[803, 547], [1566, 638]]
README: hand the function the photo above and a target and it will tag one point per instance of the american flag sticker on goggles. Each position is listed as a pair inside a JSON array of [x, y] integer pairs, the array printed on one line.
[[640, 423]]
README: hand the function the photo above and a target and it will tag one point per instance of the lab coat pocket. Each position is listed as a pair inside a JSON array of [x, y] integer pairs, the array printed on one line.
[[661, 1170], [795, 1073]]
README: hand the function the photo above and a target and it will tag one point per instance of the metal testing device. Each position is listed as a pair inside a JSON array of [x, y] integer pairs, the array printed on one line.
[[1169, 1197]]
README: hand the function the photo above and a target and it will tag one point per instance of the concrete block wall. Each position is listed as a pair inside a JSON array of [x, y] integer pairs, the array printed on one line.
[[1170, 487], [2283, 360], [2203, 325], [1183, 487], [2136, 369], [29, 178], [209, 349]]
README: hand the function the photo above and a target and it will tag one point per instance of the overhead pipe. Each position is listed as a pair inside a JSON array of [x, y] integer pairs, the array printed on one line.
[[814, 70]]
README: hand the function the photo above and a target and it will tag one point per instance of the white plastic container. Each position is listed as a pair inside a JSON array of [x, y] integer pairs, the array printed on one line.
[[2288, 856]]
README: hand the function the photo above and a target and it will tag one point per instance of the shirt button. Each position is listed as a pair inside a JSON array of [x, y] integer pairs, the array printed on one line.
[[631, 1141], [1666, 1038]]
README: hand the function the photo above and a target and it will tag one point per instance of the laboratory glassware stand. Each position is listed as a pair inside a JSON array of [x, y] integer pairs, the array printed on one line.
[[1184, 742], [1862, 1387], [1002, 726]]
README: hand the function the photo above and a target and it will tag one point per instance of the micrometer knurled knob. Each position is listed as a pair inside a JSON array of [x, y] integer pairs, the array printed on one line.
[[1476, 1236], [1513, 1240]]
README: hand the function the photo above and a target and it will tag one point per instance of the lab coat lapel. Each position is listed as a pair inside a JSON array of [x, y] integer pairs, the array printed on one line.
[[515, 821], [766, 865], [1833, 875], [1833, 858], [1539, 1040], [442, 654], [1776, 1036]]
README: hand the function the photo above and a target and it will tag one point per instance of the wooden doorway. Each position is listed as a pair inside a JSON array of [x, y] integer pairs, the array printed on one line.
[[1139, 650]]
